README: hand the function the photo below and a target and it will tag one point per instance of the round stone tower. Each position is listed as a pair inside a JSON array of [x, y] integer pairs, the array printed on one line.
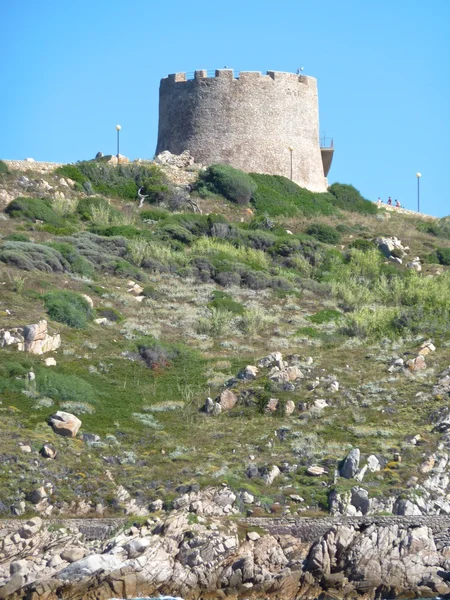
[[254, 122]]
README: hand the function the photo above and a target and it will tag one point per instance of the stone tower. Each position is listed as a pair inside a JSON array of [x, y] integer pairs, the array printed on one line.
[[254, 122]]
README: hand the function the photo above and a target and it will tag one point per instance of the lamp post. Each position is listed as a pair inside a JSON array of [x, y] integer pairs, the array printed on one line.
[[418, 175], [118, 128], [291, 150]]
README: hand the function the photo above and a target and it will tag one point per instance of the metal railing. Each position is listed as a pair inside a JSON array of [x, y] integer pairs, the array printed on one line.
[[326, 142]]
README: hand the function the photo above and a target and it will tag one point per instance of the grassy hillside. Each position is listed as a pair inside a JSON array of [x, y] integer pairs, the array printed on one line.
[[292, 272]]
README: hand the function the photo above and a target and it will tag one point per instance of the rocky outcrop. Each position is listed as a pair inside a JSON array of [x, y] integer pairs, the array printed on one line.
[[178, 556], [30, 338], [64, 423]]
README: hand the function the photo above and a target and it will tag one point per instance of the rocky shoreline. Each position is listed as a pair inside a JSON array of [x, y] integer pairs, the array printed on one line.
[[199, 551]]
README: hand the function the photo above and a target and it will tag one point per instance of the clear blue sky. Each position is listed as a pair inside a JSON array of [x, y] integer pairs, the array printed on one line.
[[71, 70]]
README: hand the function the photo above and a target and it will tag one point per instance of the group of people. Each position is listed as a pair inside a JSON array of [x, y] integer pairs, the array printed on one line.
[[390, 202]]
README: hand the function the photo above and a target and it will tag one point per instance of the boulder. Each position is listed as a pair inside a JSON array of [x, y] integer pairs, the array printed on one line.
[[373, 464], [65, 424], [30, 528], [249, 373], [31, 338], [290, 407], [274, 359], [72, 554], [252, 536], [38, 495], [50, 362], [48, 451], [315, 471], [350, 465], [272, 405], [227, 400], [271, 475], [180, 161], [247, 498], [416, 364]]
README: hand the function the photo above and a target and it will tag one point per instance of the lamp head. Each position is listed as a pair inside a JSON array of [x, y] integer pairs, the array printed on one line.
[[118, 127], [418, 175], [291, 148]]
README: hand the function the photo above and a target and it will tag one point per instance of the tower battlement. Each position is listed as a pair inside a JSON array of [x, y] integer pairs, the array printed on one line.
[[257, 122]]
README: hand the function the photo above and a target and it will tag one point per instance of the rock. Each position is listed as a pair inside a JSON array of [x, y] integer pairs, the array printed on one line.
[[417, 364], [252, 536], [137, 547], [296, 498], [14, 584], [65, 424], [321, 404], [290, 407], [38, 495], [272, 405], [275, 359], [227, 400], [360, 500], [122, 160], [388, 244], [50, 362], [334, 386], [88, 300], [415, 264], [350, 465], [252, 471], [25, 448], [71, 555], [247, 498], [101, 321], [360, 474], [373, 464], [89, 565], [315, 471], [19, 566], [156, 505], [180, 161], [31, 528], [48, 451], [249, 373], [427, 347], [271, 475], [31, 338]]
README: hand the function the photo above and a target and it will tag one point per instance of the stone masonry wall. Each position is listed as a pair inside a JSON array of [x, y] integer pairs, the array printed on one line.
[[248, 122]]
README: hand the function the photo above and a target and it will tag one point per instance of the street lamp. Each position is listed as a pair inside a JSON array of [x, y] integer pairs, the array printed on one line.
[[291, 150], [418, 175], [118, 128]]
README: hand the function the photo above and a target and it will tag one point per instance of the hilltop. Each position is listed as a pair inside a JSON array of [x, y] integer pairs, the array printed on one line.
[[235, 330]]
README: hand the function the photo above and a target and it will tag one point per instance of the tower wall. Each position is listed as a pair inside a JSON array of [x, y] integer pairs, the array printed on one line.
[[249, 122]]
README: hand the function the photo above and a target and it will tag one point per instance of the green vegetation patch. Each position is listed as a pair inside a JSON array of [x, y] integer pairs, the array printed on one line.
[[62, 386], [69, 308], [324, 233], [348, 198], [233, 184], [34, 209], [277, 195], [223, 301], [3, 168], [325, 316], [29, 257]]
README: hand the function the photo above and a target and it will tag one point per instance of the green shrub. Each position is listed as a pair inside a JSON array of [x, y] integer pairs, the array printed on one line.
[[17, 237], [3, 168], [153, 214], [79, 264], [324, 233], [233, 184], [361, 244], [92, 208], [325, 316], [71, 172], [122, 181], [440, 228], [308, 332], [64, 387], [68, 307], [348, 198], [151, 292], [223, 301], [34, 209], [277, 195], [126, 231], [443, 256], [29, 257]]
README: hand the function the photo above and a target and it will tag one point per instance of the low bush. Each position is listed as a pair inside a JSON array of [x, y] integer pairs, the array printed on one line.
[[151, 292], [98, 210], [440, 228], [324, 233], [34, 209], [29, 257], [277, 195], [109, 313], [157, 355], [348, 198], [3, 168], [233, 184], [223, 301], [17, 237], [325, 316], [71, 172], [69, 308], [361, 244], [153, 214], [62, 387], [443, 256], [79, 264]]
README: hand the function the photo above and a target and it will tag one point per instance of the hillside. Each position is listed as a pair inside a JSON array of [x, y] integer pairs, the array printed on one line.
[[240, 331]]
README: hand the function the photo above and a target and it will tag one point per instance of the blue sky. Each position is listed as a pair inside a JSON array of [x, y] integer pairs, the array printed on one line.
[[72, 70]]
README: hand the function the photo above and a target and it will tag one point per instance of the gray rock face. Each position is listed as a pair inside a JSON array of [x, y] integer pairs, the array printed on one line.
[[31, 338], [350, 465]]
